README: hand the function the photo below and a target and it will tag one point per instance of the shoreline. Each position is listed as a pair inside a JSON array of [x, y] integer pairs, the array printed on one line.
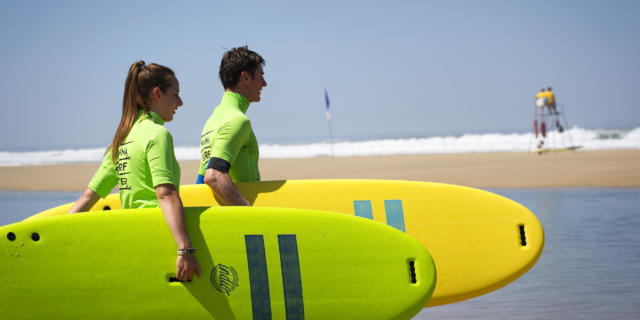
[[601, 168]]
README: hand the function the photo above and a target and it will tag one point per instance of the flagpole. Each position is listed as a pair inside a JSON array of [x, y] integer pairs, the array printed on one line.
[[331, 136], [326, 101]]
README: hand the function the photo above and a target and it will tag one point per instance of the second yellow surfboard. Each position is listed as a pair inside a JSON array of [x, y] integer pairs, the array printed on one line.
[[479, 241]]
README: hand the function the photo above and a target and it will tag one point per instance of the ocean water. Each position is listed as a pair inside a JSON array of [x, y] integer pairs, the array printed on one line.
[[465, 143], [589, 269]]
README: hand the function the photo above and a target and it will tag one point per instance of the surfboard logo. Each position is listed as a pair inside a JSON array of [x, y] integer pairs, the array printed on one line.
[[224, 278]]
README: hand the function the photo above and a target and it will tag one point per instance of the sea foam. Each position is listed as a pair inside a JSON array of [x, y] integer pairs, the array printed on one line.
[[467, 143]]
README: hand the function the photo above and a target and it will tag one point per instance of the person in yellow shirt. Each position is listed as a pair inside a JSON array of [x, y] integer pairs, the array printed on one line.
[[551, 100], [541, 99]]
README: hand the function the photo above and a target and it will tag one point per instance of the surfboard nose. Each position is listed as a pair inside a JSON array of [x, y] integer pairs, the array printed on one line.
[[421, 271], [418, 279]]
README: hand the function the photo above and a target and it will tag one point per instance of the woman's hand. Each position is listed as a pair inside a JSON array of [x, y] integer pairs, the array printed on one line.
[[85, 202], [186, 266], [173, 212]]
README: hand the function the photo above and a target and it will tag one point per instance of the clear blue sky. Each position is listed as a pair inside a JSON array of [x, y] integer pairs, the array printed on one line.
[[392, 68]]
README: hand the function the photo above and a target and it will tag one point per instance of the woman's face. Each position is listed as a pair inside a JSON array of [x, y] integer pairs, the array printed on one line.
[[166, 103]]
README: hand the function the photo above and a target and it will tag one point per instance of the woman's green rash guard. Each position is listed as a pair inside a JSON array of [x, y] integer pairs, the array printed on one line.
[[228, 135], [145, 160]]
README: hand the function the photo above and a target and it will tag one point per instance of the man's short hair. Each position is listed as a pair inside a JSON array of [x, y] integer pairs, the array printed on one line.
[[234, 62]]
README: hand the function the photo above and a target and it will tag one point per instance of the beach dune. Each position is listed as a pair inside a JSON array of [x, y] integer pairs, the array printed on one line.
[[615, 168]]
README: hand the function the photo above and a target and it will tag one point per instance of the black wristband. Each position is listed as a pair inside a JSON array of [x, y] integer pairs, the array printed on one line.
[[219, 164]]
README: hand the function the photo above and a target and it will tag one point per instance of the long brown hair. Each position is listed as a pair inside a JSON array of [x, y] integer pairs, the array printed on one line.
[[140, 82]]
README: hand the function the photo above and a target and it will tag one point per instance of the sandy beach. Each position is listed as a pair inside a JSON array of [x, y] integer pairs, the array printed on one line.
[[616, 168]]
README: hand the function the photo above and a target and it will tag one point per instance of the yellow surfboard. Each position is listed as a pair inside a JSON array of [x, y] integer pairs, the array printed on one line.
[[479, 241], [548, 150], [257, 263]]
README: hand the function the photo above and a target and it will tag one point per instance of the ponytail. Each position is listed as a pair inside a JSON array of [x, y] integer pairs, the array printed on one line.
[[141, 80]]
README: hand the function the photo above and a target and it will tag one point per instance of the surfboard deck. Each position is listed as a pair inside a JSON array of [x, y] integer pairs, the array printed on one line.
[[257, 263], [480, 241]]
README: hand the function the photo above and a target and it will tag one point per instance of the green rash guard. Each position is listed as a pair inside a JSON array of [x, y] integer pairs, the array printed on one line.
[[145, 160], [227, 135]]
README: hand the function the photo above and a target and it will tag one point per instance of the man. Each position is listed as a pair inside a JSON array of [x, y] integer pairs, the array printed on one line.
[[228, 146], [551, 101]]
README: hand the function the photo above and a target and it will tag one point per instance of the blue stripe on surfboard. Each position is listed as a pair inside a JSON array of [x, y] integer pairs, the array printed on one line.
[[362, 208], [258, 277], [395, 214], [291, 281]]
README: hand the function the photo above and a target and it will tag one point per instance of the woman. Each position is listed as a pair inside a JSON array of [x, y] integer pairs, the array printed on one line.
[[141, 160]]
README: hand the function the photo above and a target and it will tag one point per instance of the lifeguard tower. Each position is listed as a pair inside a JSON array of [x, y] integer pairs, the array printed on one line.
[[550, 127]]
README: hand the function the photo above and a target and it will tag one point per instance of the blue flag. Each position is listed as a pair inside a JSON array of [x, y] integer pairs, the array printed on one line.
[[327, 103], [326, 99]]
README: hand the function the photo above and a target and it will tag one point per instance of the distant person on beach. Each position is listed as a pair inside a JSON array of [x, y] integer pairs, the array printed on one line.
[[141, 159], [551, 100], [541, 99], [228, 146]]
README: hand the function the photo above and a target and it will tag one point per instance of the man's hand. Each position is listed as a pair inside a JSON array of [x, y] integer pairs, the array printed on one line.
[[224, 188]]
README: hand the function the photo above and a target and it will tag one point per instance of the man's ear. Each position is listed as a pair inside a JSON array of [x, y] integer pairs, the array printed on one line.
[[244, 76]]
